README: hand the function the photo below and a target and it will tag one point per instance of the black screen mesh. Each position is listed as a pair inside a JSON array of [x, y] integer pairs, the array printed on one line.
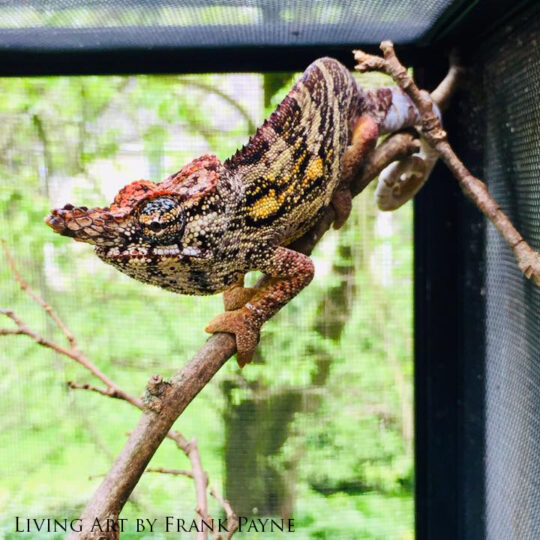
[[97, 25], [512, 167]]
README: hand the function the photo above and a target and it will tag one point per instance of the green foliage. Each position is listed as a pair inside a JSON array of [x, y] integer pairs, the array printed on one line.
[[344, 345]]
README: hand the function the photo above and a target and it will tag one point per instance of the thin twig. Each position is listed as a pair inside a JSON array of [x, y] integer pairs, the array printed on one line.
[[201, 484], [74, 354], [28, 290], [109, 392], [232, 518], [173, 472]]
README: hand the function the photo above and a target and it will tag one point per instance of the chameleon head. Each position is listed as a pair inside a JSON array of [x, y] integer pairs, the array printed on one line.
[[152, 228], [148, 223]]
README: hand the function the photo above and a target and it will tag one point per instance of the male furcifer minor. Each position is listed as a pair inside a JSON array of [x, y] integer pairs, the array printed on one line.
[[202, 229]]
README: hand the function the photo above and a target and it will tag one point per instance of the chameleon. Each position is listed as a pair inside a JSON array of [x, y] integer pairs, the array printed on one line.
[[200, 230]]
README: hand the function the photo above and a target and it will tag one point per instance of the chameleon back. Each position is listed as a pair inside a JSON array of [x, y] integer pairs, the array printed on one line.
[[290, 168]]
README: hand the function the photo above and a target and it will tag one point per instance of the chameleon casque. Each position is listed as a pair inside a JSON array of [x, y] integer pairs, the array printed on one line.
[[202, 229]]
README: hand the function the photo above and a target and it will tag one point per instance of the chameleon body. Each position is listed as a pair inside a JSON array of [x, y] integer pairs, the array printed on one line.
[[203, 228]]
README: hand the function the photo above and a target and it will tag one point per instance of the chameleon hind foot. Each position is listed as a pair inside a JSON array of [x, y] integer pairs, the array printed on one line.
[[240, 323]]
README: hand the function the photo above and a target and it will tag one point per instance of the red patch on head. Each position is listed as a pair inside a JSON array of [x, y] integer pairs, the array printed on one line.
[[195, 179], [131, 194], [192, 182]]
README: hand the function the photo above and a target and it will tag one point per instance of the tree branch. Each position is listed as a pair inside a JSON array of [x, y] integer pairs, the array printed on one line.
[[528, 260], [28, 290], [155, 388]]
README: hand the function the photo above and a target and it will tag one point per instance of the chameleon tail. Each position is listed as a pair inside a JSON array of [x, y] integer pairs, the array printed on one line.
[[402, 180]]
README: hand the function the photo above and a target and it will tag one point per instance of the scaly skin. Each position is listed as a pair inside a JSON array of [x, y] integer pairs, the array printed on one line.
[[202, 229]]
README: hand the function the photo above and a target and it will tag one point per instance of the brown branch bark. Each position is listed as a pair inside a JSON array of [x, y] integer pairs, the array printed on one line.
[[475, 189]]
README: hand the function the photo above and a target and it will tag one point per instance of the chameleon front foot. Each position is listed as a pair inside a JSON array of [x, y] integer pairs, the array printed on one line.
[[239, 323]]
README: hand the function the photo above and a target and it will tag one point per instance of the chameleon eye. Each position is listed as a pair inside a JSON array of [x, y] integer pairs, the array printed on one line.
[[162, 220]]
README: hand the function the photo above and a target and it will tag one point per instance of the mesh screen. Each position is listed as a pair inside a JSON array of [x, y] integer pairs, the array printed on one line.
[[76, 24], [512, 167], [319, 428]]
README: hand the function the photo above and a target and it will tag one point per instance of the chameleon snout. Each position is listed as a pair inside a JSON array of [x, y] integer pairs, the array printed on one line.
[[92, 226], [67, 220]]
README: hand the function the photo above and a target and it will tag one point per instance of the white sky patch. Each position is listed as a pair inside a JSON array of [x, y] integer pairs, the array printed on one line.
[[323, 256], [55, 278], [382, 258], [240, 86]]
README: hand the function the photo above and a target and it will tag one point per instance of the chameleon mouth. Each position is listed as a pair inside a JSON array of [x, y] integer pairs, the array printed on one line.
[[140, 251], [173, 251]]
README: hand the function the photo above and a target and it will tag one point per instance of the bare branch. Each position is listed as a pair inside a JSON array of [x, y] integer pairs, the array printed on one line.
[[173, 472], [76, 355], [232, 518], [109, 392], [72, 352], [201, 484]]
